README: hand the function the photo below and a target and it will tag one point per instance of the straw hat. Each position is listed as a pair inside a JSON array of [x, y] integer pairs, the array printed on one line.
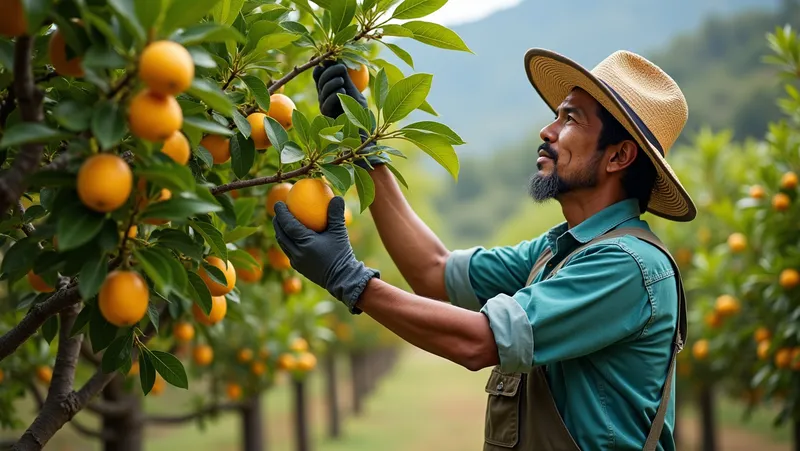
[[643, 98]]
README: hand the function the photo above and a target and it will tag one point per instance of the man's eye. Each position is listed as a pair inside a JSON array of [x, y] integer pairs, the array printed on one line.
[[569, 118]]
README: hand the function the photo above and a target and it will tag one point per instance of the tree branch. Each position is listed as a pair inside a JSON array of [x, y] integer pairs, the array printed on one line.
[[88, 354], [29, 99], [185, 418], [37, 394], [84, 430], [109, 408], [9, 105], [35, 317]]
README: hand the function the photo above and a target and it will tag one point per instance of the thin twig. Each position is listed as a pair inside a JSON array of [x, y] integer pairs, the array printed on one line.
[[86, 353], [185, 418], [84, 430], [26, 226], [129, 77], [110, 408]]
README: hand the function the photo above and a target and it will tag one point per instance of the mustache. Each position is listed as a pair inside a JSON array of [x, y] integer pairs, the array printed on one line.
[[548, 151]]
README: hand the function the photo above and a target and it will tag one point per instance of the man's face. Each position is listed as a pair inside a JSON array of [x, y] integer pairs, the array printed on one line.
[[569, 160]]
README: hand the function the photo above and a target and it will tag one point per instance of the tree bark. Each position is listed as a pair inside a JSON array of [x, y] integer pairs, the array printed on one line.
[[334, 420], [123, 432], [707, 418], [253, 425], [357, 380], [302, 440]]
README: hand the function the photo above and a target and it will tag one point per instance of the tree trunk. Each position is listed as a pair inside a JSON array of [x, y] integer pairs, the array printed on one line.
[[357, 380], [302, 441], [253, 425], [334, 420], [707, 418], [124, 432]]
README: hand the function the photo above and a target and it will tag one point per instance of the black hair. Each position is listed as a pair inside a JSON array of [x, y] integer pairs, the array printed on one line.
[[640, 176]]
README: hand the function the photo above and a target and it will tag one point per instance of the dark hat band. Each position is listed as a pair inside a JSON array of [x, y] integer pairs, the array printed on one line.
[[636, 119]]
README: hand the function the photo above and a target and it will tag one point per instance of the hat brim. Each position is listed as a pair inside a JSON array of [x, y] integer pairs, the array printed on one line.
[[554, 76]]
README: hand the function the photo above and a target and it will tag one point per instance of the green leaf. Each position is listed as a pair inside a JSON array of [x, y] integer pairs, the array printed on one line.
[[101, 332], [209, 32], [118, 352], [426, 107], [276, 133], [33, 213], [275, 41], [302, 127], [303, 6], [92, 275], [436, 127], [438, 147], [244, 208], [436, 35], [77, 226], [36, 12], [327, 4], [397, 175], [342, 13], [365, 187], [294, 27], [30, 132], [179, 208], [125, 11], [291, 153], [147, 372], [156, 267], [414, 9], [108, 124], [82, 320], [182, 13], [214, 273], [244, 260], [402, 54], [346, 34], [405, 96], [339, 176], [211, 95], [397, 30], [169, 175], [242, 124], [389, 150], [205, 125], [380, 88], [152, 313], [238, 233], [170, 368], [99, 57], [213, 238], [50, 328], [225, 12], [72, 115], [198, 291], [179, 241], [357, 115], [259, 91], [149, 11], [243, 155]]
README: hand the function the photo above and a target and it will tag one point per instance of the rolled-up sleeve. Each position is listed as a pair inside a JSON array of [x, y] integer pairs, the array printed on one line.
[[598, 299], [456, 280]]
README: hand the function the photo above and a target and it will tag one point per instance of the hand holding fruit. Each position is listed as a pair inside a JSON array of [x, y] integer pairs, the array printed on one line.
[[325, 258]]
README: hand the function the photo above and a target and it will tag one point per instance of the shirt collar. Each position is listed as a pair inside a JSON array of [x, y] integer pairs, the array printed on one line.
[[599, 223]]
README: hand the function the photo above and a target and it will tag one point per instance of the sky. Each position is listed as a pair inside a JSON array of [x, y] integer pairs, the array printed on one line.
[[456, 12]]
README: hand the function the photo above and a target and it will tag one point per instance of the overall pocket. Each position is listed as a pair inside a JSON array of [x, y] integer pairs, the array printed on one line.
[[502, 408]]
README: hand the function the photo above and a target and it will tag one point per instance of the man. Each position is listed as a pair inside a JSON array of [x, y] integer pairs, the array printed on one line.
[[582, 323]]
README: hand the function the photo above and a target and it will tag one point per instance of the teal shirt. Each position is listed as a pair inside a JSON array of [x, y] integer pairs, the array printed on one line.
[[603, 325]]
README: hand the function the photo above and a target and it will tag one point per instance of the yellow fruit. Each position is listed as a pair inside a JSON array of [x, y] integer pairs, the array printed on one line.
[[13, 21], [727, 305], [789, 278], [763, 349], [166, 67], [360, 77], [258, 368], [219, 307], [133, 231], [713, 320], [783, 358], [306, 362], [287, 362], [123, 298], [277, 193], [38, 284], [251, 275], [762, 334], [348, 217], [57, 52], [154, 117], [244, 355], [202, 355], [700, 349], [234, 391], [277, 259], [257, 130], [781, 202], [219, 147], [158, 386], [308, 201], [280, 109], [134, 369], [104, 182], [215, 288], [737, 242], [789, 181], [177, 147], [44, 374], [183, 332], [299, 345], [292, 285], [757, 192]]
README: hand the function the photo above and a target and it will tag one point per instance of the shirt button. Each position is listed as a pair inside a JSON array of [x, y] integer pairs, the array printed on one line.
[[500, 386]]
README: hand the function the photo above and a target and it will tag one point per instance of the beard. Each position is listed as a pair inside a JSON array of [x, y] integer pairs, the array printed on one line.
[[543, 187]]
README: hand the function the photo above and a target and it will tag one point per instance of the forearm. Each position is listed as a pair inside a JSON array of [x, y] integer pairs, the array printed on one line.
[[456, 334], [415, 249]]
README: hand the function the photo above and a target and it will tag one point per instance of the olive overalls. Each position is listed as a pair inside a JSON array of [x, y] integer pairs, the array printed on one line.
[[521, 413]]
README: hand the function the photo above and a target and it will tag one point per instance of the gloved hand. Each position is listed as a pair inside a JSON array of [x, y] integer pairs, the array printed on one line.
[[326, 258], [331, 79]]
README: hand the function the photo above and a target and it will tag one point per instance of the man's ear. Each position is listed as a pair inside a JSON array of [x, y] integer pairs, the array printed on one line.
[[624, 154]]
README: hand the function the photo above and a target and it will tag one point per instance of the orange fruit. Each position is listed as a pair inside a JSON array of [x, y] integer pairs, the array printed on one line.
[[158, 385], [38, 284], [219, 147], [789, 180], [57, 52], [123, 298], [235, 194], [727, 305], [737, 242], [183, 332], [202, 355], [104, 182], [258, 368], [299, 345], [360, 77], [795, 360], [251, 275], [292, 285], [763, 349], [219, 307], [166, 67], [348, 217], [177, 147], [789, 278], [244, 355], [757, 192], [280, 109], [781, 202], [234, 391], [154, 117], [257, 130], [215, 288], [277, 193], [783, 358], [133, 231], [308, 201], [287, 362], [306, 362], [277, 259], [134, 369], [713, 320], [762, 334], [683, 256], [44, 374], [700, 349], [13, 21]]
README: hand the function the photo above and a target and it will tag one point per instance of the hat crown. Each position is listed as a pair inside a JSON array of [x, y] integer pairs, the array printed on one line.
[[649, 91]]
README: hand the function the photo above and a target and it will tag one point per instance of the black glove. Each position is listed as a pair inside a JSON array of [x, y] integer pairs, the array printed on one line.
[[331, 79]]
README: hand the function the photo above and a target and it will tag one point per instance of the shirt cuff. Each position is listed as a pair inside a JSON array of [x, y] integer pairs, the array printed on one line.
[[456, 280], [513, 333]]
